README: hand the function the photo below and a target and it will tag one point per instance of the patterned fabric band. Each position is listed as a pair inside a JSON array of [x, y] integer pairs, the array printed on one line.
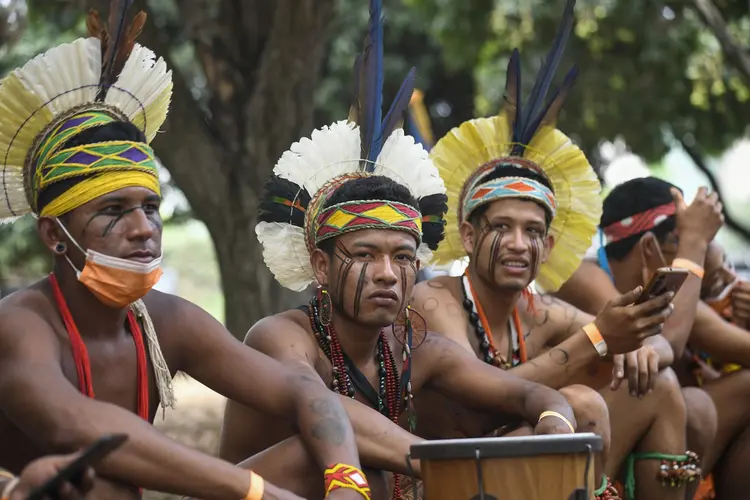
[[125, 164], [368, 214], [348, 477], [509, 187], [638, 223]]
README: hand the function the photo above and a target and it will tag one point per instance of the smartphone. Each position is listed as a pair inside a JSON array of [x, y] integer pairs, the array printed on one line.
[[665, 279], [73, 471]]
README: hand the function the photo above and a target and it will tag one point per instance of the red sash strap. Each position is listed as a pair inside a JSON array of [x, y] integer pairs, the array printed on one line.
[[81, 355]]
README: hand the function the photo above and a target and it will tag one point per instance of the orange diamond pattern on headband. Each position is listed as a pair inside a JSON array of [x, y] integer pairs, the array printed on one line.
[[375, 214]]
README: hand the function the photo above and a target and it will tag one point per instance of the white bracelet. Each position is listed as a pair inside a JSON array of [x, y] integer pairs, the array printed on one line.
[[10, 487]]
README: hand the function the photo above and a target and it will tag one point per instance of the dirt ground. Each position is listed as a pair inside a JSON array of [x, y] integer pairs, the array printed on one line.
[[196, 421]]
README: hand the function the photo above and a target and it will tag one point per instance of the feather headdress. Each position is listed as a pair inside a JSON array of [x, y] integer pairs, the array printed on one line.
[[524, 136], [89, 82], [367, 144]]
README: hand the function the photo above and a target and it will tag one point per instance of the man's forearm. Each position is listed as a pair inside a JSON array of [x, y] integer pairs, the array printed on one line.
[[678, 326], [149, 459], [324, 423], [561, 364], [539, 399], [382, 444]]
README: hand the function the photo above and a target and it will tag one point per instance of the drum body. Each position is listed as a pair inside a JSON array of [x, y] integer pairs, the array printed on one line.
[[512, 468]]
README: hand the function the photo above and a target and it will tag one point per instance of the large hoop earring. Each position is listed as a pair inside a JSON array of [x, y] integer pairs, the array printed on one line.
[[326, 306], [410, 318]]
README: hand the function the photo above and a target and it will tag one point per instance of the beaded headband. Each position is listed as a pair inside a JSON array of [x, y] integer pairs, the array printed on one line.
[[638, 223], [368, 214], [509, 187]]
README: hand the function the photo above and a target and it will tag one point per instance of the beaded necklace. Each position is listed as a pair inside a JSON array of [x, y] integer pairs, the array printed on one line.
[[481, 327], [388, 398]]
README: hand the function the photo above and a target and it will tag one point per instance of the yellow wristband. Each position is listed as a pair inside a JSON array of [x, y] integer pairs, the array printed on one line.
[[257, 485], [689, 265], [595, 336], [550, 413]]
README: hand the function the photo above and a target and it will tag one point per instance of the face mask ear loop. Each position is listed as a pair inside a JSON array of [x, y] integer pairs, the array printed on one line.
[[65, 230]]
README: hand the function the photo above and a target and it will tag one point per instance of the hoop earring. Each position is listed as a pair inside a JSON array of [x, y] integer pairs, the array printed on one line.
[[407, 319], [60, 248], [326, 306]]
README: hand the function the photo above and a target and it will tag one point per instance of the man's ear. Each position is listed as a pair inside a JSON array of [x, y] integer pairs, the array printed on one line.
[[651, 253], [549, 244], [50, 233], [321, 263], [468, 236]]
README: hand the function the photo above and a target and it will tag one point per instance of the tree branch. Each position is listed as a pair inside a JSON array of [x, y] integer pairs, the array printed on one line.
[[700, 163], [734, 53]]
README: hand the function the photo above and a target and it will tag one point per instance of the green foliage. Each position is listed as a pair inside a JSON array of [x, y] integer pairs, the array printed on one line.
[[649, 71]]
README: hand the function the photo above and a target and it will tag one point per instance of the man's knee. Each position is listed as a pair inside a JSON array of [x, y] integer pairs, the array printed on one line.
[[589, 407], [667, 388], [702, 419]]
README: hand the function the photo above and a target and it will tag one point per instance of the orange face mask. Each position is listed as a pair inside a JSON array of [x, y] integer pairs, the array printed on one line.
[[116, 282]]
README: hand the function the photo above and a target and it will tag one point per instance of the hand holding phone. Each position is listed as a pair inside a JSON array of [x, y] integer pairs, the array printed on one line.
[[628, 320], [72, 472]]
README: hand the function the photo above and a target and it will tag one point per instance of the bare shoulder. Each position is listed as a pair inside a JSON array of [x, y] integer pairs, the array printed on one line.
[[28, 322], [283, 334], [440, 301]]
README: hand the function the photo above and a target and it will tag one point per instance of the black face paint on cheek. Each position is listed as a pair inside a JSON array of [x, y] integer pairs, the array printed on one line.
[[495, 253], [484, 231], [360, 287], [534, 258], [347, 261]]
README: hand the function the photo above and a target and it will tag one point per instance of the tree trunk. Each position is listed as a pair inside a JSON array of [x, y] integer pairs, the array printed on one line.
[[261, 61]]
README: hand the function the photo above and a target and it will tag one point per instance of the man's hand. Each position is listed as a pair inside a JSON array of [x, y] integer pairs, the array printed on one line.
[[624, 326], [42, 470], [642, 368], [741, 302], [702, 219], [551, 425]]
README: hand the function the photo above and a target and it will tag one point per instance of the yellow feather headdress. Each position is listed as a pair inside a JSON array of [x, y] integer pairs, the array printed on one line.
[[526, 138], [89, 82]]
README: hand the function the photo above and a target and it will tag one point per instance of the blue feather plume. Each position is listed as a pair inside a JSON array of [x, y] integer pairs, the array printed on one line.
[[367, 108]]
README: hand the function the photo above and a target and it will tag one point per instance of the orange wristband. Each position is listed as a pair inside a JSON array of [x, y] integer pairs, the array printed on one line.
[[689, 265], [595, 336], [257, 485]]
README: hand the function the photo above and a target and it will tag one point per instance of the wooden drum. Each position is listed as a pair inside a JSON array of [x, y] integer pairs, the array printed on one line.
[[512, 468]]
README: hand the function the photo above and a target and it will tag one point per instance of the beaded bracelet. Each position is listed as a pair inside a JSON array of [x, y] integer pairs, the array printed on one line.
[[348, 477]]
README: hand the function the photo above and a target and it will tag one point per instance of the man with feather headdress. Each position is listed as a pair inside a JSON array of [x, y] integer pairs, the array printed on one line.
[[523, 205], [357, 208], [91, 349]]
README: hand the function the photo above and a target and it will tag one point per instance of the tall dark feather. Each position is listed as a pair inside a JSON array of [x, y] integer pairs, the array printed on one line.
[[533, 107], [356, 105], [550, 113], [395, 117], [371, 86], [116, 27], [512, 96]]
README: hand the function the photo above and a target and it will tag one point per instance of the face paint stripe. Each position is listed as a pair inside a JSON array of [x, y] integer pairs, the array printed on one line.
[[360, 287]]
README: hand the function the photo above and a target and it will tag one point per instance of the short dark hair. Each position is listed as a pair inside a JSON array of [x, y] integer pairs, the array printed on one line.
[[115, 131], [505, 170], [634, 197], [367, 188]]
